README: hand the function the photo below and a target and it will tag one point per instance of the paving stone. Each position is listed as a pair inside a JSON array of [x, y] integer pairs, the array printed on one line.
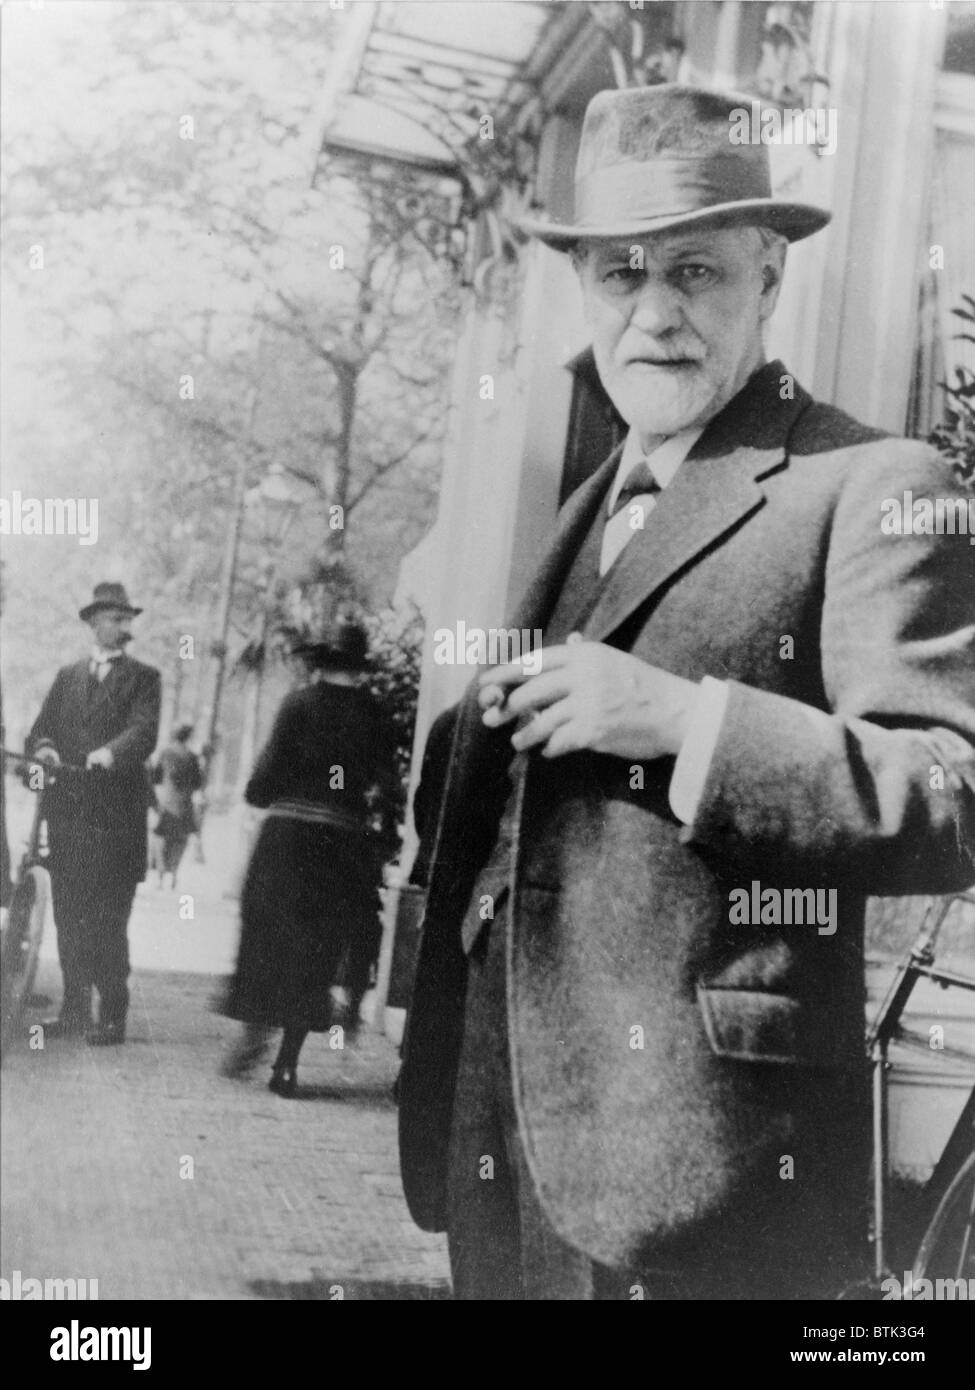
[[143, 1168]]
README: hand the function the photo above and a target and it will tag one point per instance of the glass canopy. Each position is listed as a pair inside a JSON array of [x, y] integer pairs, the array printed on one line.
[[430, 69]]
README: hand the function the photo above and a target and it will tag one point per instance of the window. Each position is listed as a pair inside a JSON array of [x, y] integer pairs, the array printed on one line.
[[959, 53]]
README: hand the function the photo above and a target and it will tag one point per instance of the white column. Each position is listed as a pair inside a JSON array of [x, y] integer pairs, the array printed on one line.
[[884, 64]]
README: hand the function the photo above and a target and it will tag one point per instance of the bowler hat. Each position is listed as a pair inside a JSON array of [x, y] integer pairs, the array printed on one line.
[[344, 647], [108, 596], [654, 158]]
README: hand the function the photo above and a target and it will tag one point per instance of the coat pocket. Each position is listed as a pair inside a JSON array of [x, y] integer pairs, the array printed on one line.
[[748, 1025]]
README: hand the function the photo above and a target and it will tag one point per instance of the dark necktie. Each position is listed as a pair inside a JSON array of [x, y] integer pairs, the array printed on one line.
[[637, 483]]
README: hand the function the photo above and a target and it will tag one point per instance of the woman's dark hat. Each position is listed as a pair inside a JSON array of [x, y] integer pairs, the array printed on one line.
[[655, 158], [345, 647], [108, 596]]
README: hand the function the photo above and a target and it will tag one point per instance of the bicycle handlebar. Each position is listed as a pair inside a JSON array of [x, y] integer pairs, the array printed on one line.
[[51, 769], [923, 951]]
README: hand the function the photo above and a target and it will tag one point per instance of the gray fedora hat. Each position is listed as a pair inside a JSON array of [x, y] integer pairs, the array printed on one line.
[[108, 596], [652, 158]]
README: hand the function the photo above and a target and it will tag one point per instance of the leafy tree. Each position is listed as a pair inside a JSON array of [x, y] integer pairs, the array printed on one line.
[[188, 320]]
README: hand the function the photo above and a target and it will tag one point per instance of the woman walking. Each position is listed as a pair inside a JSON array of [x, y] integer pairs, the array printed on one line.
[[310, 903]]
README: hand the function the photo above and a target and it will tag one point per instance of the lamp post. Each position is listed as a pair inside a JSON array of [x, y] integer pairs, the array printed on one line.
[[181, 624], [274, 505], [228, 578]]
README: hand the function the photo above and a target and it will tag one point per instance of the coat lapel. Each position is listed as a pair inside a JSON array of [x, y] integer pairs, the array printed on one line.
[[715, 489], [706, 499], [574, 523], [79, 685]]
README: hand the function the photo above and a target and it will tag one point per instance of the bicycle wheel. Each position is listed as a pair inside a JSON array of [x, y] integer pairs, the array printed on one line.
[[947, 1250], [21, 948]]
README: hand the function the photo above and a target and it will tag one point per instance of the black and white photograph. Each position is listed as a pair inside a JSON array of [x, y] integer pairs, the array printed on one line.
[[488, 662]]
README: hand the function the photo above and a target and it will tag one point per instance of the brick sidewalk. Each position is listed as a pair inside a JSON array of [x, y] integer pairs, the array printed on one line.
[[287, 1198]]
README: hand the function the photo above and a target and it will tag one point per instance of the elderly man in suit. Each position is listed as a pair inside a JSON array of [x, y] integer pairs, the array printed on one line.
[[618, 1080], [102, 714]]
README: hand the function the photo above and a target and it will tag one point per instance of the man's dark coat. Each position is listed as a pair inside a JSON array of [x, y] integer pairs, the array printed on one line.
[[97, 820], [825, 775]]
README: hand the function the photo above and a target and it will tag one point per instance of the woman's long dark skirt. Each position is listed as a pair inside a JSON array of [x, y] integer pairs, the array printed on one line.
[[310, 906]]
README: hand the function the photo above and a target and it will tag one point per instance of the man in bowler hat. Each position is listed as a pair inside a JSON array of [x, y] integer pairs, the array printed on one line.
[[612, 1086], [101, 715]]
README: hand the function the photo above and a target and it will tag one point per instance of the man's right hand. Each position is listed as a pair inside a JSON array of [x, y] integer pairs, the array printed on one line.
[[47, 756]]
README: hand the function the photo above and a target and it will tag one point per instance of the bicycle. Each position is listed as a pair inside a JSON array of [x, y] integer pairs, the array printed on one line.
[[29, 905], [946, 1250]]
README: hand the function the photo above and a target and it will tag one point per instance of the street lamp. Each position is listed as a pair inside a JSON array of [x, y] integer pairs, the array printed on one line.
[[274, 503]]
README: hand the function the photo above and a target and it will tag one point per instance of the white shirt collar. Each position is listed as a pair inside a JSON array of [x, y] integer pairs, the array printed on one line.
[[99, 655], [664, 460]]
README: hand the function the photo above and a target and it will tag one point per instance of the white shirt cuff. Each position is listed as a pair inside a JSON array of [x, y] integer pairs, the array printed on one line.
[[694, 759]]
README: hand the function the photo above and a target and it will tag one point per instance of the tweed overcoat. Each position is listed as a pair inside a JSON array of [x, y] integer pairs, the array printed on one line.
[[661, 1053], [97, 821]]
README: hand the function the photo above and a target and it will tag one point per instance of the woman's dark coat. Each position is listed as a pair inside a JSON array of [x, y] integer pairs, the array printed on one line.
[[311, 892]]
